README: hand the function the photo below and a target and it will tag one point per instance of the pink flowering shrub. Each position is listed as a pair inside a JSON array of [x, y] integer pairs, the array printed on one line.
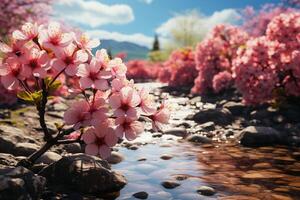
[[179, 69], [215, 55], [271, 63], [142, 70], [222, 81], [255, 78], [39, 60], [256, 22]]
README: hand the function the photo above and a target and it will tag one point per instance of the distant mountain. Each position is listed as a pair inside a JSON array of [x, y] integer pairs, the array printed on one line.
[[134, 51]]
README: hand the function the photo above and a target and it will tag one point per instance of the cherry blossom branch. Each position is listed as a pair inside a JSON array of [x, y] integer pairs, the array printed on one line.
[[28, 162], [57, 75], [42, 111]]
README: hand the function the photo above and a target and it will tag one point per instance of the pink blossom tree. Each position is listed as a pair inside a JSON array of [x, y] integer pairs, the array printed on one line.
[[268, 67], [214, 55], [15, 12], [179, 69], [256, 21]]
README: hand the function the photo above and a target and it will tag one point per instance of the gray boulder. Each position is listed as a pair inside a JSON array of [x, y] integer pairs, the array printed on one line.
[[218, 116], [84, 173], [20, 183], [254, 136]]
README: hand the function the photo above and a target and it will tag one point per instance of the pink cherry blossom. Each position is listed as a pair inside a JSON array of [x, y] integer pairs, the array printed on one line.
[[11, 73], [37, 62], [117, 67], [99, 142], [83, 41], [68, 59], [15, 49], [93, 75], [54, 38], [147, 104], [160, 117], [28, 32], [128, 127], [124, 103], [98, 109], [78, 114]]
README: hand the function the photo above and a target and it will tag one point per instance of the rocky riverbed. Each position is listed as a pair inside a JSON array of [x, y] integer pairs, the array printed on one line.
[[214, 148]]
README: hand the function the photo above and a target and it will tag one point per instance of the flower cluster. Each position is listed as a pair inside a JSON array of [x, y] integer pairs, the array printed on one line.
[[37, 58], [142, 70], [255, 79], [256, 22], [214, 55], [179, 69], [271, 63]]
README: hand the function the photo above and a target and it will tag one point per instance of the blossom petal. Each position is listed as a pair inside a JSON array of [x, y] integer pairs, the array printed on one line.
[[92, 149]]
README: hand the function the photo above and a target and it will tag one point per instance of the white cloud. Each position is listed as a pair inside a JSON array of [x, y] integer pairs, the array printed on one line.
[[146, 1], [93, 13], [137, 38], [200, 23]]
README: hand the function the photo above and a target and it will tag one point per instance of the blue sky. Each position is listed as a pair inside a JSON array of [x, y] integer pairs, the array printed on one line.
[[138, 20]]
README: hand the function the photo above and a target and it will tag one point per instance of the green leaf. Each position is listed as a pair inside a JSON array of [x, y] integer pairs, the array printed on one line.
[[55, 85], [58, 126], [37, 96], [26, 96]]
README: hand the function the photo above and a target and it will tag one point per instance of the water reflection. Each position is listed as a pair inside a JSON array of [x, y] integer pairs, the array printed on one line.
[[235, 172]]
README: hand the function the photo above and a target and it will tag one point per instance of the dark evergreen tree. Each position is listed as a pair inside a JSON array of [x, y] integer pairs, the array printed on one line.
[[156, 44]]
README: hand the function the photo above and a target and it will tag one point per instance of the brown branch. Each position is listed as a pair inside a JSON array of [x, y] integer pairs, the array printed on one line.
[[28, 162], [42, 110]]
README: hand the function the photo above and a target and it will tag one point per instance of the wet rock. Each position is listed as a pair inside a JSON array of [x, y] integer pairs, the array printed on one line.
[[48, 158], [208, 126], [166, 157], [115, 158], [184, 125], [157, 135], [170, 184], [25, 149], [141, 195], [133, 147], [236, 108], [73, 148], [84, 173], [10, 137], [20, 183], [195, 100], [206, 191], [199, 139], [220, 116], [179, 132], [262, 114], [7, 160], [254, 136], [181, 177]]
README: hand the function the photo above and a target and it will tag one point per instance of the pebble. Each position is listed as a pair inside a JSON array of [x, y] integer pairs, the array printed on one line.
[[206, 191], [48, 158], [115, 158], [166, 157], [141, 195], [199, 139], [133, 147], [170, 184]]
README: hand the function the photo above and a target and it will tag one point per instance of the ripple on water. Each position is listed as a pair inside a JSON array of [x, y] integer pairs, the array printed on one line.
[[234, 172]]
